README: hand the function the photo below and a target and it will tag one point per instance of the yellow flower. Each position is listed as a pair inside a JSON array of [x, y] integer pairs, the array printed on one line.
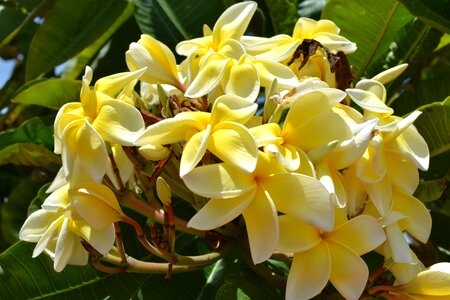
[[407, 214], [220, 132], [258, 196], [81, 128], [58, 229], [432, 283], [157, 57], [334, 255]]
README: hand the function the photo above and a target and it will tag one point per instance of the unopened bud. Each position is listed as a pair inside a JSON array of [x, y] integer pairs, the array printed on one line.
[[163, 191]]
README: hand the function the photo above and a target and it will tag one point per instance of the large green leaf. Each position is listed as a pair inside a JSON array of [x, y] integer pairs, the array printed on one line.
[[172, 21], [371, 24], [36, 130], [14, 211], [283, 14], [52, 93], [69, 28], [433, 12], [25, 154], [77, 64], [434, 125]]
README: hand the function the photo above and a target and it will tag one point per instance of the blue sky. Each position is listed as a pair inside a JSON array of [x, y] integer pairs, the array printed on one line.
[[6, 67]]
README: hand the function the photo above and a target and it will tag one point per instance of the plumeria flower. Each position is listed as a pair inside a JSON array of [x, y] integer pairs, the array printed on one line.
[[157, 58], [334, 255], [81, 128], [221, 132], [396, 146], [407, 214], [258, 196], [58, 228], [431, 283]]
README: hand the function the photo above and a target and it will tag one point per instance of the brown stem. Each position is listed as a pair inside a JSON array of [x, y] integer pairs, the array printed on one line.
[[131, 201], [117, 173], [119, 243]]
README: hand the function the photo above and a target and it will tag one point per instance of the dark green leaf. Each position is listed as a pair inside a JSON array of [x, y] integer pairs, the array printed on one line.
[[371, 24], [30, 155], [283, 14], [77, 64], [13, 212], [433, 12], [433, 124], [431, 190], [52, 93], [172, 21], [37, 201], [413, 44], [70, 27], [311, 8], [36, 130], [10, 18], [439, 232]]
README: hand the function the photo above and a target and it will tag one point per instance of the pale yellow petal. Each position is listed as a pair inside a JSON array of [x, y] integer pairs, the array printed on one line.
[[361, 234], [102, 240], [233, 22], [64, 247], [194, 150], [418, 223], [398, 244], [371, 168], [369, 102], [118, 122], [333, 182], [287, 155], [296, 236], [186, 48], [261, 222], [218, 212], [173, 130], [390, 74], [380, 194], [113, 84], [234, 144], [219, 181], [79, 257], [269, 70], [432, 282], [349, 272], [207, 78], [269, 133], [248, 88], [232, 108], [373, 86], [154, 152], [91, 151], [302, 197], [309, 273], [36, 225], [402, 172], [356, 195]]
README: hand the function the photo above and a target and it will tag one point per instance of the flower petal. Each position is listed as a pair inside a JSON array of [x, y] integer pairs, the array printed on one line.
[[219, 181], [218, 212], [398, 245], [309, 274], [234, 144], [174, 130], [432, 282], [361, 234], [261, 222], [390, 74], [64, 246], [36, 225], [208, 77], [287, 155], [349, 272], [302, 197], [269, 70], [91, 151], [419, 220], [233, 22], [232, 108], [402, 172], [194, 150], [369, 102], [296, 236], [113, 84], [154, 152], [380, 194], [248, 88], [119, 122], [102, 240]]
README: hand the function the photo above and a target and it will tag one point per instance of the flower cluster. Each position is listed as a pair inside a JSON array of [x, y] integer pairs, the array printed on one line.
[[312, 177]]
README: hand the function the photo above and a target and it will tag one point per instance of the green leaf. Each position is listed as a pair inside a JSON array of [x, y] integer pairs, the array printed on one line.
[[433, 124], [433, 12], [30, 155], [413, 44], [10, 18], [311, 8], [171, 21], [77, 64], [431, 190], [36, 130], [37, 201], [52, 93], [69, 28], [13, 212], [371, 24], [283, 14]]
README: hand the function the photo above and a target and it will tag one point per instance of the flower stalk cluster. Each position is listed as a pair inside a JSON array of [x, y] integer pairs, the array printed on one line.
[[309, 178]]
